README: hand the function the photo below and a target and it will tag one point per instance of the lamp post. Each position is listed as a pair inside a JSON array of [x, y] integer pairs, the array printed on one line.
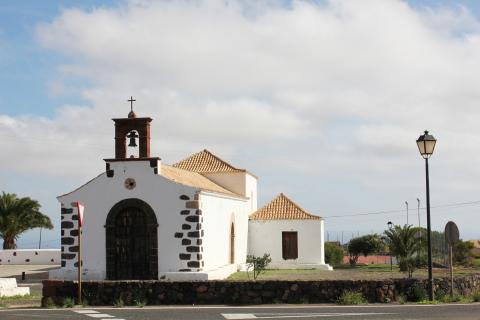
[[391, 261], [426, 145]]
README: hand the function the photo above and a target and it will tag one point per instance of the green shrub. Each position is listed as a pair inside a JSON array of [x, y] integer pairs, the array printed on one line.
[[140, 303], [364, 245], [351, 298], [462, 253], [258, 264], [476, 297], [417, 293], [333, 253], [447, 298], [68, 302], [429, 302], [401, 299], [119, 303], [49, 303]]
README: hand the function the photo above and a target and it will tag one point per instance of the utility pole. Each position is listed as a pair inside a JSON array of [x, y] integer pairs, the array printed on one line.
[[406, 203], [418, 211], [40, 240]]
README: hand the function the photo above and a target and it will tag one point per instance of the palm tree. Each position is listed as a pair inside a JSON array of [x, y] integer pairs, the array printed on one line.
[[18, 215], [404, 243]]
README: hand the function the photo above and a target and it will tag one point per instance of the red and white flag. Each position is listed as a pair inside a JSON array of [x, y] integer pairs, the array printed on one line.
[[81, 209]]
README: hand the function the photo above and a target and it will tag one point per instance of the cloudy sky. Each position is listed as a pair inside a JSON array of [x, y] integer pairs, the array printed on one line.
[[323, 100]]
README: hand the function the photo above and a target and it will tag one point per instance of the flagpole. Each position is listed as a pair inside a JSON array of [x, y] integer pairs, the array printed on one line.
[[79, 262]]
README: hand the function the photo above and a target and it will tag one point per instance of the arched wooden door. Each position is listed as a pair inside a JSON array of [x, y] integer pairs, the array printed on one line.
[[131, 241], [232, 243]]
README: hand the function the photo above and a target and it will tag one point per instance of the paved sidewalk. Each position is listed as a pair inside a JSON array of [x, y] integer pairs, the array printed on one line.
[[32, 272]]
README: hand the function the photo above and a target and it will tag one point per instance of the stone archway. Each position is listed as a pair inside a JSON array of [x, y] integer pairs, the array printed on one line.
[[131, 241]]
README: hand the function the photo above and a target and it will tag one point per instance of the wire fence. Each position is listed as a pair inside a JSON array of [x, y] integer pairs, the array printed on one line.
[[439, 245]]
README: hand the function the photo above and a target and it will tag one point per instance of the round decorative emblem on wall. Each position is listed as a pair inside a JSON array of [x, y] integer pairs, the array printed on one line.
[[130, 183]]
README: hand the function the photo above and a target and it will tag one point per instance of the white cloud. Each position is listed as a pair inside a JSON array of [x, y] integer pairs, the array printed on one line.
[[338, 91]]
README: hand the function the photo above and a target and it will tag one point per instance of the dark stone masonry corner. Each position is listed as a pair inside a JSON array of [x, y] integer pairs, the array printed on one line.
[[98, 293], [191, 220]]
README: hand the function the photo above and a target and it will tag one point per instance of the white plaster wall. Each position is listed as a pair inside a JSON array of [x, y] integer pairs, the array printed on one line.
[[242, 183], [218, 213], [102, 193], [265, 236], [30, 256]]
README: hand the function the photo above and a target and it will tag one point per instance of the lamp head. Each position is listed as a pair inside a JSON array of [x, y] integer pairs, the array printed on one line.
[[426, 144]]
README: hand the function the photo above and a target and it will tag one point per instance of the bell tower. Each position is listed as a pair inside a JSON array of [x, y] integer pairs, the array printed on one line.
[[128, 128]]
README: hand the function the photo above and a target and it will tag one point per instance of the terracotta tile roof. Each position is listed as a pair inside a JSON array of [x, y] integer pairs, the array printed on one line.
[[282, 208], [206, 162], [192, 179]]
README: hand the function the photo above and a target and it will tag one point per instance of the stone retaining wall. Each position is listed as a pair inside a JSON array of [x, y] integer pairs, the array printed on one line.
[[242, 292]]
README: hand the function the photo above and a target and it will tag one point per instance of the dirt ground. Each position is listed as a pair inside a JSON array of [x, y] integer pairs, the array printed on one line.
[[346, 273]]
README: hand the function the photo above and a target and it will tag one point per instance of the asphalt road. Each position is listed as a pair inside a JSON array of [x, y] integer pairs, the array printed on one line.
[[290, 312]]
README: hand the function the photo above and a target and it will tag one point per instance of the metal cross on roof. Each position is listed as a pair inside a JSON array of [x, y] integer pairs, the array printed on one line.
[[131, 103]]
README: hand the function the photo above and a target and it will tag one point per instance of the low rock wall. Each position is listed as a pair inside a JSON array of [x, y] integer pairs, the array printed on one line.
[[242, 292]]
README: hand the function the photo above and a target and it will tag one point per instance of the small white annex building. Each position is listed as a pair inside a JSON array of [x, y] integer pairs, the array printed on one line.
[[148, 220], [292, 236]]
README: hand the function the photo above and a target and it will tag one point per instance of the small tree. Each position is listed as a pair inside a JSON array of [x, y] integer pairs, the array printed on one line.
[[333, 253], [258, 264], [462, 253], [405, 244], [364, 245]]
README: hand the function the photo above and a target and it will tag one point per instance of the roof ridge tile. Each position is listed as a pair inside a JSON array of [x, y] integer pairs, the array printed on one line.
[[282, 208], [205, 162]]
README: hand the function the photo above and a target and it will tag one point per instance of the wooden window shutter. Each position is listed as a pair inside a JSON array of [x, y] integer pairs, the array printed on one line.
[[289, 245]]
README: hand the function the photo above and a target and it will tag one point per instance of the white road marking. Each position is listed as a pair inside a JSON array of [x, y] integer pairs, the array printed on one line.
[[245, 316], [238, 316], [96, 314]]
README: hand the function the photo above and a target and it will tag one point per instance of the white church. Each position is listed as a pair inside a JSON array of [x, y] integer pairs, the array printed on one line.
[[194, 220]]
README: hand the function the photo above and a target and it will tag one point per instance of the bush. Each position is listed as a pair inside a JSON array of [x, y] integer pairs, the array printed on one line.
[[462, 253], [455, 298], [258, 264], [476, 297], [417, 293], [351, 298], [49, 303], [408, 265], [333, 253], [119, 303], [68, 302], [364, 245]]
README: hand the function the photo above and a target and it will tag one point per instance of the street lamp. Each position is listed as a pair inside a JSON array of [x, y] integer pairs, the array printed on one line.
[[390, 224], [426, 145]]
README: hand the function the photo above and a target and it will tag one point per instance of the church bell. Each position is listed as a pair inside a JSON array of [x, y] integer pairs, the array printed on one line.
[[132, 135]]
